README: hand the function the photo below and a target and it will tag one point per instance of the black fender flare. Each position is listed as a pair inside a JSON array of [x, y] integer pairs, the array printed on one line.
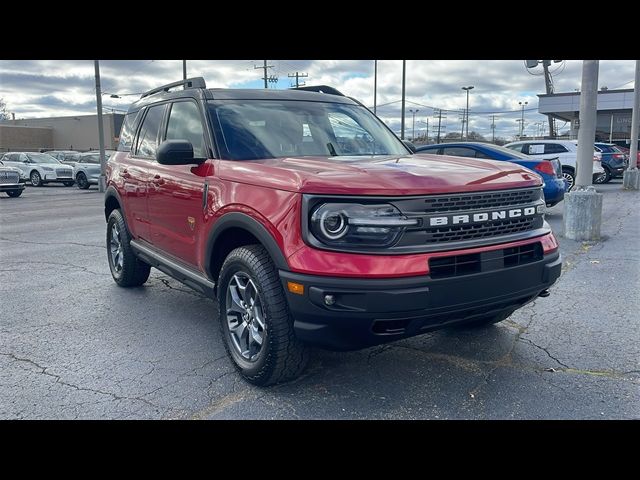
[[241, 220], [111, 192]]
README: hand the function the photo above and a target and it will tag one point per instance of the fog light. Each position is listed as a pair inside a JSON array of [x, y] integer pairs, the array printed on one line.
[[329, 300]]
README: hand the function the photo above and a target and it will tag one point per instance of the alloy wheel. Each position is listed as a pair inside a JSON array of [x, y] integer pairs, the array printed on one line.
[[245, 317]]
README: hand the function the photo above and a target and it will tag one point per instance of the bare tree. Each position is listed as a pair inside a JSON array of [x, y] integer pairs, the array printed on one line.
[[4, 115]]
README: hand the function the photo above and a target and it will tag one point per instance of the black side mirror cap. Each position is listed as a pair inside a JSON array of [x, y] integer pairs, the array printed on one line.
[[410, 146], [177, 152]]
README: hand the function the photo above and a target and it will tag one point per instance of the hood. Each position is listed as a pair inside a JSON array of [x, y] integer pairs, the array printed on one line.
[[380, 175]]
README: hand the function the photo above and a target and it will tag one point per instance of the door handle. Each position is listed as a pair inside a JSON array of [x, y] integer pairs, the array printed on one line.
[[125, 173]]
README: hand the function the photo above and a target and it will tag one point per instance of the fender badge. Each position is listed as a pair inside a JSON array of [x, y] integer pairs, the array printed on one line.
[[192, 222]]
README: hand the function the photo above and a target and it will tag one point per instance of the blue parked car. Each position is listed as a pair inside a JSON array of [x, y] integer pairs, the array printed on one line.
[[550, 170], [614, 161]]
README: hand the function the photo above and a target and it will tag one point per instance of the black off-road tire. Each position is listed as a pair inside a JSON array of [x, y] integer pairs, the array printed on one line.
[[14, 193], [134, 272], [283, 357]]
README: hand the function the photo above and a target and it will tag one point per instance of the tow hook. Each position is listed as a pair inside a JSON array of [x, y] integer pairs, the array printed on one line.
[[544, 293]]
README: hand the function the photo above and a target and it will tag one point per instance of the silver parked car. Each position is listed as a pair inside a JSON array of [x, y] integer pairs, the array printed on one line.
[[10, 181], [40, 168], [68, 157], [87, 168]]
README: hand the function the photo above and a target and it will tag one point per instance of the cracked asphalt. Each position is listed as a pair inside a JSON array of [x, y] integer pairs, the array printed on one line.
[[75, 346]]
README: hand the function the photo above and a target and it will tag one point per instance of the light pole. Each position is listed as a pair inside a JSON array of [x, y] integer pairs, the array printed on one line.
[[404, 78], [470, 87], [522, 118], [375, 85], [413, 126], [103, 162]]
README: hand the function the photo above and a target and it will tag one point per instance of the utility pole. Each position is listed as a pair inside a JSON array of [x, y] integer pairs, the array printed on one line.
[[413, 127], [404, 77], [375, 84], [439, 123], [470, 87], [631, 176], [266, 77], [548, 81], [184, 69], [103, 163], [522, 118], [493, 129], [427, 130], [297, 77], [583, 206]]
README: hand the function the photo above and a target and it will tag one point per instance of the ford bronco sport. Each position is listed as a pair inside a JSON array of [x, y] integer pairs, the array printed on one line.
[[312, 223]]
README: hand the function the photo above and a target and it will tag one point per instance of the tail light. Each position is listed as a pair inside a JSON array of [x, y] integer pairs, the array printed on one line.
[[618, 156], [545, 166]]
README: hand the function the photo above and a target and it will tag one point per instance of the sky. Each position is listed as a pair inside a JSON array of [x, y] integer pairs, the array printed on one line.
[[47, 88]]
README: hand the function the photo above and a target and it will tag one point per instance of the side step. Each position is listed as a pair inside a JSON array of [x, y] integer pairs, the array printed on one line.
[[180, 272]]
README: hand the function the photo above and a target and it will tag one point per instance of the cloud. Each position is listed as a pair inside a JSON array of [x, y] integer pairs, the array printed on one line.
[[41, 88]]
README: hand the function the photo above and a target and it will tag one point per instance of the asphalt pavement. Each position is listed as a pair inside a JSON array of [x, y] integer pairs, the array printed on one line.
[[73, 345]]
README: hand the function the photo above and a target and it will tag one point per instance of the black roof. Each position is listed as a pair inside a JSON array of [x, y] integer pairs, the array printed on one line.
[[310, 94]]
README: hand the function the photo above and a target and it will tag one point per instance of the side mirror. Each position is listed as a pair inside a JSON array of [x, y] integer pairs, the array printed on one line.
[[177, 152], [410, 146]]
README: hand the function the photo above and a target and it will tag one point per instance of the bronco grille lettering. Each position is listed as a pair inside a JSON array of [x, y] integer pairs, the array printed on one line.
[[481, 217]]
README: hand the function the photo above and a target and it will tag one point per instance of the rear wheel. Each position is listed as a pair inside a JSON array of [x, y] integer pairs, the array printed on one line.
[[126, 269], [256, 324], [604, 177], [570, 176], [35, 178], [14, 193], [81, 180]]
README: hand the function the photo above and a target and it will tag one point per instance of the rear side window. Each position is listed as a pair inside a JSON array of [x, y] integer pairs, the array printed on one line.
[[185, 124], [148, 138], [127, 132], [459, 151], [515, 148], [554, 148]]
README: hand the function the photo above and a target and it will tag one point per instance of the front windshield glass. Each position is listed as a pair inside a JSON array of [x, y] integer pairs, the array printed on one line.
[[256, 129], [41, 158]]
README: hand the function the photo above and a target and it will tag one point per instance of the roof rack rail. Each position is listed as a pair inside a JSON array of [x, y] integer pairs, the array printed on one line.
[[195, 82], [320, 89]]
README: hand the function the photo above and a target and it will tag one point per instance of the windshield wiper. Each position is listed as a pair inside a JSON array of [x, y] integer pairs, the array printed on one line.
[[332, 150]]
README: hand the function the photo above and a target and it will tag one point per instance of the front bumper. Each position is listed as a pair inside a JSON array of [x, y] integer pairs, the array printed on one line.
[[10, 187], [373, 311]]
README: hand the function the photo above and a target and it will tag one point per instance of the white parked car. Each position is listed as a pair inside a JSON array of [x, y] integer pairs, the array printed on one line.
[[40, 168], [565, 150], [87, 168]]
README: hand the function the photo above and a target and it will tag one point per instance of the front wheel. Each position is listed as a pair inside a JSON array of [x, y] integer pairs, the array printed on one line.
[[255, 321], [126, 269], [14, 193], [35, 178], [81, 180]]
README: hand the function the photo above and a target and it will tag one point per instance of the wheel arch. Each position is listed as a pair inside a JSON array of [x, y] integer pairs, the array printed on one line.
[[112, 202], [234, 230]]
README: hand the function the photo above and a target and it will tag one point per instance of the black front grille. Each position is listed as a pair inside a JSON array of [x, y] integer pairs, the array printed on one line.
[[458, 265], [479, 201], [469, 232]]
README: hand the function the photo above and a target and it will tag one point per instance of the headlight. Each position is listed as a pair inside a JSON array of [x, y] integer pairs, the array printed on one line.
[[358, 225], [47, 169]]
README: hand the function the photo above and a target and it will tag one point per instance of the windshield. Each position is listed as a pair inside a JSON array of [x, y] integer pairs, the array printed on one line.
[[41, 158], [256, 129]]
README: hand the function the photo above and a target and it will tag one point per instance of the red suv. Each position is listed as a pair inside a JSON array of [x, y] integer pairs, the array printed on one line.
[[312, 223]]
